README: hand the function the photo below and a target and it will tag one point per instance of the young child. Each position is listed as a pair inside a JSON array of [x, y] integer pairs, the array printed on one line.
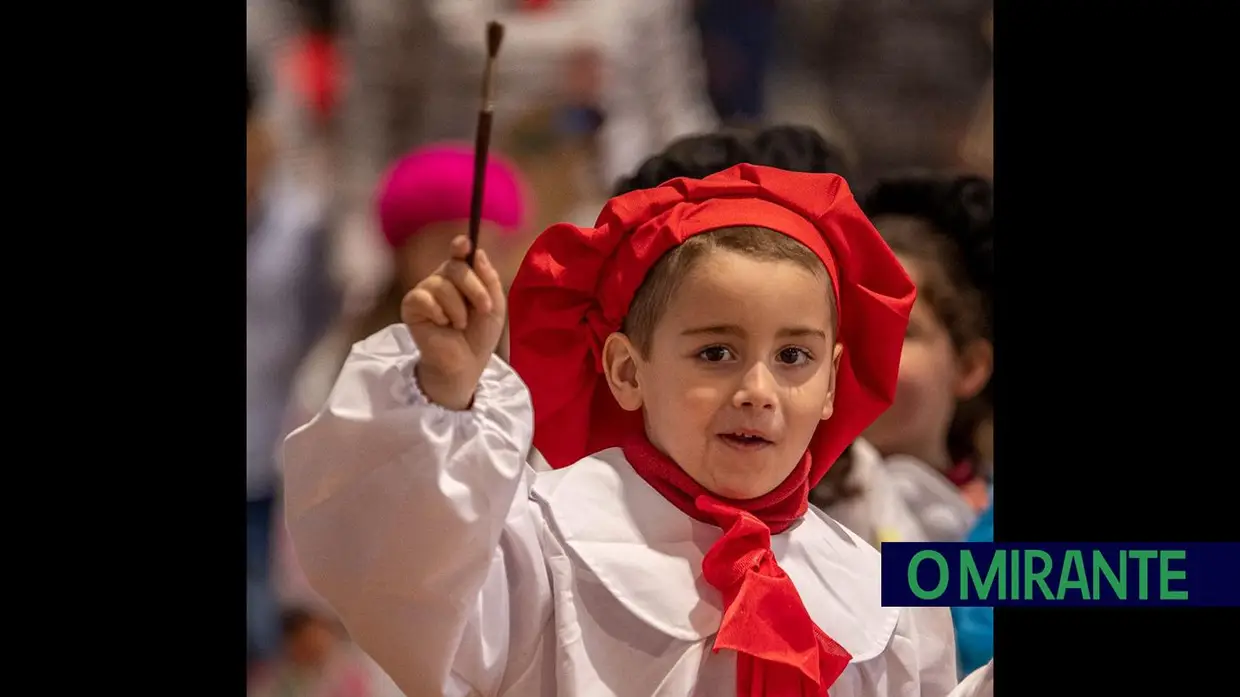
[[917, 475], [422, 202], [693, 365]]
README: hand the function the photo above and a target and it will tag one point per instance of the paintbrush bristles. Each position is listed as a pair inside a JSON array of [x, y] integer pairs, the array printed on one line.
[[495, 37]]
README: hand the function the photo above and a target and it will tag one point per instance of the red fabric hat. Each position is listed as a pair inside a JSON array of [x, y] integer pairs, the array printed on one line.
[[575, 285]]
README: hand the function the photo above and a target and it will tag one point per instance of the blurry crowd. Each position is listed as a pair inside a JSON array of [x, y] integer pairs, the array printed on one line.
[[359, 127]]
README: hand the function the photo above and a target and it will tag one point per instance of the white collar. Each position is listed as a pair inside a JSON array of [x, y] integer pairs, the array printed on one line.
[[648, 555]]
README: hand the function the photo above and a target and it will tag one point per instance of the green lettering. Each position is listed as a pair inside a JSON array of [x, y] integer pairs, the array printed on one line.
[[1143, 576], [912, 574], [1118, 585], [1038, 577], [1073, 563], [1014, 561], [1166, 575], [969, 574]]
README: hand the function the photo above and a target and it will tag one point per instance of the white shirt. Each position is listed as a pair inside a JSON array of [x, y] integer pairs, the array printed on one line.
[[876, 511], [464, 572], [901, 499]]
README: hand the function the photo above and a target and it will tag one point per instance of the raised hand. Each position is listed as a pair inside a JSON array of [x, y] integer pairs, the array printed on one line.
[[456, 317]]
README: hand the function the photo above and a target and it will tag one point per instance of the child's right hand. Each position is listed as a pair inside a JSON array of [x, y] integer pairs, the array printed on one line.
[[456, 317]]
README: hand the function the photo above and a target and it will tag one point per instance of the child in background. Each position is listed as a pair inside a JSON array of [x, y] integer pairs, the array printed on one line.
[[694, 364], [917, 474], [422, 203], [789, 147]]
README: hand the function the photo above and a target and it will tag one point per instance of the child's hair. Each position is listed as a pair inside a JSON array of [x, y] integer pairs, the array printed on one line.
[[793, 148], [652, 296], [947, 224]]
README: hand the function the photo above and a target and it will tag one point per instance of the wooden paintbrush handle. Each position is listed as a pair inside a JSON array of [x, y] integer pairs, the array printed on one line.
[[481, 146]]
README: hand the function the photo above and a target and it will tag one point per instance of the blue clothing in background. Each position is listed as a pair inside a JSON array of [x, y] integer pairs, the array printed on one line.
[[975, 626]]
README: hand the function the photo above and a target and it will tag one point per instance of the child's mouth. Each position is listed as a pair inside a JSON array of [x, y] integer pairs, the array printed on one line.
[[744, 441]]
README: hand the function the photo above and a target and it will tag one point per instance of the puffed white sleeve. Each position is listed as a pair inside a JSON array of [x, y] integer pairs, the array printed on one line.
[[414, 522]]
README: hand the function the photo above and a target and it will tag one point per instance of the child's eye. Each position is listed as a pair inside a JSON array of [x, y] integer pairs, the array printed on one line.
[[715, 354], [795, 356]]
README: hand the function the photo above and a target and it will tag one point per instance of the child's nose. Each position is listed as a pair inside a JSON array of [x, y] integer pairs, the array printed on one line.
[[757, 388]]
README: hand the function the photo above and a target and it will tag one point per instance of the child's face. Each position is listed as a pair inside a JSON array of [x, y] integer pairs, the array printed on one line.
[[740, 373], [933, 376]]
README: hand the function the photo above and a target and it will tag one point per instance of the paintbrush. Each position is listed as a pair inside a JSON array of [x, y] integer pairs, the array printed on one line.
[[482, 141]]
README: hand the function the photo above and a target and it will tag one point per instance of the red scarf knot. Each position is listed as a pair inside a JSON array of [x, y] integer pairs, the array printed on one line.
[[780, 651]]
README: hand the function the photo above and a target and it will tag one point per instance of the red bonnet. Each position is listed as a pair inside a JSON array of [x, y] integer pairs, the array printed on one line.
[[575, 286]]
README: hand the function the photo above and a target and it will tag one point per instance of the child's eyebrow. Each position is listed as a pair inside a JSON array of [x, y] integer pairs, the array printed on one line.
[[734, 330]]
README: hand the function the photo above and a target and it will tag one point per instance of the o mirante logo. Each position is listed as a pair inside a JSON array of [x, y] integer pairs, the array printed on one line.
[[999, 574]]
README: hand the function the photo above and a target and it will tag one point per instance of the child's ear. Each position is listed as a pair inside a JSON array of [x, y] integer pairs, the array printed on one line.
[[620, 366], [974, 367], [828, 408]]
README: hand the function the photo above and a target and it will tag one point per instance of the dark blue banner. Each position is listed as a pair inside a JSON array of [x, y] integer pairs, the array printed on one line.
[[1062, 574]]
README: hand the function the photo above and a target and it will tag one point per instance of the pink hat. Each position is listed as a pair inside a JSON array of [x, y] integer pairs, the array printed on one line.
[[433, 184]]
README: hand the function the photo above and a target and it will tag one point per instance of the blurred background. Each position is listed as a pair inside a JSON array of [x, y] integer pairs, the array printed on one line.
[[338, 91]]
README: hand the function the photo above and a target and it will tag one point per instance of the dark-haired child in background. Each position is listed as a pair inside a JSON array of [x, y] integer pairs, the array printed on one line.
[[917, 474], [790, 147]]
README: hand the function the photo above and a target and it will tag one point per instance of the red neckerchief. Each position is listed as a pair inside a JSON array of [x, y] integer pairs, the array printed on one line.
[[780, 651]]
